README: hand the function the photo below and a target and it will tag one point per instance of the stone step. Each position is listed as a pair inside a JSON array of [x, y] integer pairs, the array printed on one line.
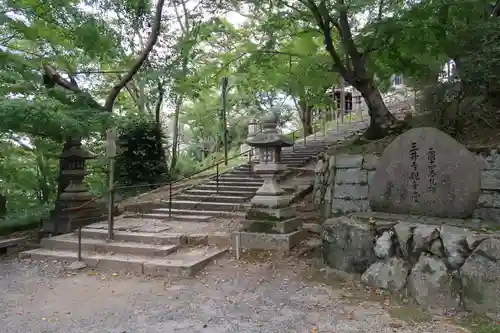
[[183, 263], [298, 156], [205, 205], [163, 238], [249, 184], [221, 188], [240, 179], [243, 167], [176, 215], [246, 169], [211, 197], [309, 147], [302, 151], [187, 214], [204, 192], [69, 242], [243, 173], [297, 159]]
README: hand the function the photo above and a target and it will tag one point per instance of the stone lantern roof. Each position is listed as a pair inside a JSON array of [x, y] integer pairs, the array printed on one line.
[[269, 136]]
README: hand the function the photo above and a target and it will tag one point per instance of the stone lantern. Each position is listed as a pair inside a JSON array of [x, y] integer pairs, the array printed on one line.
[[205, 148], [253, 130], [269, 143], [270, 223], [74, 206]]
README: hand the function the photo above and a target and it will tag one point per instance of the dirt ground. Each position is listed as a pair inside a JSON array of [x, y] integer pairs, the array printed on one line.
[[250, 295]]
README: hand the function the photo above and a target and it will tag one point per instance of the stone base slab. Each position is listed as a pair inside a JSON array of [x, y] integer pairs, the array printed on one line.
[[282, 243], [282, 227], [184, 263], [270, 201], [270, 213]]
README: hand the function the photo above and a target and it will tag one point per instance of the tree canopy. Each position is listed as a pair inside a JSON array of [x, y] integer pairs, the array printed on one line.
[[76, 68]]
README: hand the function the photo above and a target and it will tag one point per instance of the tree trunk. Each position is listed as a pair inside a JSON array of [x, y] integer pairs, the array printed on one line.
[[159, 102], [3, 206], [380, 117], [306, 117], [175, 135]]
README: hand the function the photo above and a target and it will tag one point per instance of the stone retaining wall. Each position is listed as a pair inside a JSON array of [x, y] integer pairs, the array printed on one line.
[[438, 266], [342, 183], [489, 201]]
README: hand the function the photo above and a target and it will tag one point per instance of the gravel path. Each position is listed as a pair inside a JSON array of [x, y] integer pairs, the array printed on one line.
[[227, 297]]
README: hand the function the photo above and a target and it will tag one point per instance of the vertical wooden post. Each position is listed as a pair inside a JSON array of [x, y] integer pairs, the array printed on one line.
[[111, 154]]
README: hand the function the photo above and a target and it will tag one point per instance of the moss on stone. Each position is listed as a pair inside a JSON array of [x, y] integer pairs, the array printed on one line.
[[472, 291], [262, 216], [261, 227]]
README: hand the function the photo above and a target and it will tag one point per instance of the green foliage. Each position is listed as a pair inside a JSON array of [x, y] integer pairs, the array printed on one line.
[[276, 58], [141, 157]]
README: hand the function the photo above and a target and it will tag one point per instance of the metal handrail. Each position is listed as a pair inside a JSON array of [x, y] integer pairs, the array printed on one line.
[[83, 205]]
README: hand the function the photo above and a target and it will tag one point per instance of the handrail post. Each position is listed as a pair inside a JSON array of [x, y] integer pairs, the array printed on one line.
[[324, 122], [293, 139], [314, 122], [111, 198], [111, 213], [79, 244], [170, 200], [217, 178]]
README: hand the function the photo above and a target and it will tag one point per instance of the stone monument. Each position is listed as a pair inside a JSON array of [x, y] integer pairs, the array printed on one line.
[[270, 223], [426, 172]]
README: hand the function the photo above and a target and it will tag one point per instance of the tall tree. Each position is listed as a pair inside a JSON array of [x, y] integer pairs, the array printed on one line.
[[66, 30]]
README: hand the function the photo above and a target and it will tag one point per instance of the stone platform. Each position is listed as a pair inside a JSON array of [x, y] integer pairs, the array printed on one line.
[[440, 263], [279, 242], [141, 246]]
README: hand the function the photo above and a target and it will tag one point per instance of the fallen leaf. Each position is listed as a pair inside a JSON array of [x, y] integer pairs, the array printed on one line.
[[115, 274]]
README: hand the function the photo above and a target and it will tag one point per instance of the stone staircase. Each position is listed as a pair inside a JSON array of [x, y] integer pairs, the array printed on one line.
[[148, 247], [229, 195], [156, 254]]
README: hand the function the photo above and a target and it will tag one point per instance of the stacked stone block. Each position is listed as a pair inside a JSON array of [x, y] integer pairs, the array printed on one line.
[[342, 183], [489, 201]]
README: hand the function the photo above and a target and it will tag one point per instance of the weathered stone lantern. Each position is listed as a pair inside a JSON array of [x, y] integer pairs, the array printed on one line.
[[74, 206], [270, 223], [269, 143], [205, 148], [253, 130]]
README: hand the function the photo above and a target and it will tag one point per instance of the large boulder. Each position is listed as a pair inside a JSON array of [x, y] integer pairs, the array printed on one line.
[[348, 244], [480, 279], [389, 275], [425, 171], [431, 284]]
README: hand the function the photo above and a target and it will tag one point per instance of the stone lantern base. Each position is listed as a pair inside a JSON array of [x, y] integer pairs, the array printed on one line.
[[270, 226]]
